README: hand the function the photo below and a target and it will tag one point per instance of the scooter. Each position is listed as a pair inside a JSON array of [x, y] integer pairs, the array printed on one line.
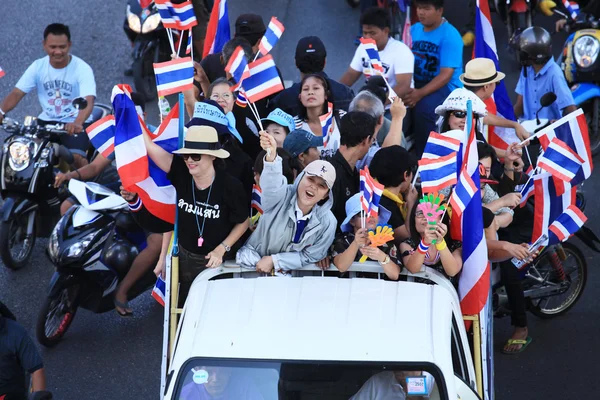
[[92, 247], [517, 15]]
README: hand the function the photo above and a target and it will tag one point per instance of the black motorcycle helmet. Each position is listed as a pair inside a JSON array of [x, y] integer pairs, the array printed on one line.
[[535, 46]]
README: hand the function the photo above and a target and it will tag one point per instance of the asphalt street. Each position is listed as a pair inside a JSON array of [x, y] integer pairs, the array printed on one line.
[[107, 357]]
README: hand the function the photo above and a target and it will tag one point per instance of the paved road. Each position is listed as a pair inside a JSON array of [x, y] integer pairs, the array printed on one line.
[[104, 356]]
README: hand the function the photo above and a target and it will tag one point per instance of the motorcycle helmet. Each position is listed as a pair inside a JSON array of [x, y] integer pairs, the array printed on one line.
[[535, 46], [120, 255]]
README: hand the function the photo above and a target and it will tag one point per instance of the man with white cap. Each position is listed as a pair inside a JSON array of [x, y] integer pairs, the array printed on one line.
[[481, 78], [297, 226]]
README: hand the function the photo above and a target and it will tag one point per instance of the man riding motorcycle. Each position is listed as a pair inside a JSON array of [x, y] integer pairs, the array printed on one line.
[[59, 79]]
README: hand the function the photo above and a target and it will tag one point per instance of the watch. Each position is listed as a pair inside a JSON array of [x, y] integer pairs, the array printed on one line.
[[385, 261], [227, 248]]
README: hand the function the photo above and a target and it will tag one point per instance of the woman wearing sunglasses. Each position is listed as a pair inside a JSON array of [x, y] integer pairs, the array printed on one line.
[[453, 113], [212, 214]]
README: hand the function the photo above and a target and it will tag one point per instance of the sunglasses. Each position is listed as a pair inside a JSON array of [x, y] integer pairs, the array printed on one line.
[[195, 157], [459, 114]]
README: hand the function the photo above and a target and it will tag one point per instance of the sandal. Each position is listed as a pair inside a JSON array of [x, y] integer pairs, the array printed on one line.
[[523, 342], [123, 306]]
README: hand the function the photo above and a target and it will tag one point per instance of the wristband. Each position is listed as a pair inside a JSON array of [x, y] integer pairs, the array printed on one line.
[[2, 112], [441, 246], [509, 169], [386, 260], [79, 174], [422, 247]]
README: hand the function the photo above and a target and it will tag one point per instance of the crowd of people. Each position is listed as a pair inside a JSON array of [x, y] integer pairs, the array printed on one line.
[[310, 204]]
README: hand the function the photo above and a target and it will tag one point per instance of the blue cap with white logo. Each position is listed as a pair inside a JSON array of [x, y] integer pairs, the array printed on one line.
[[281, 118]]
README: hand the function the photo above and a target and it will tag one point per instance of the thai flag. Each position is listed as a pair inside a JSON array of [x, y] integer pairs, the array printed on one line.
[[217, 31], [264, 79], [256, 198], [474, 283], [528, 189], [572, 8], [167, 16], [499, 103], [560, 160], [440, 145], [102, 136], [176, 16], [158, 293], [2, 73], [438, 173], [370, 47], [241, 99], [573, 130], [327, 124], [238, 67], [272, 35], [566, 225], [548, 205], [174, 76], [188, 49], [371, 192], [406, 35]]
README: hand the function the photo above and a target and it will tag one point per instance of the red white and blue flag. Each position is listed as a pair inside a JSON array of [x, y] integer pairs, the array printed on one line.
[[174, 76], [176, 16], [499, 103], [529, 189], [566, 225], [238, 67], [572, 8], [327, 124], [158, 293], [264, 79], [371, 192], [217, 32], [438, 173], [573, 130], [474, 283], [256, 199], [548, 205], [560, 160], [272, 35], [440, 145], [241, 99], [2, 73], [102, 136], [406, 35], [188, 48], [370, 47]]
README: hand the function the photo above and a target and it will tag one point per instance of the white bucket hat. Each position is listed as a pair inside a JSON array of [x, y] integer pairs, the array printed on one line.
[[457, 101]]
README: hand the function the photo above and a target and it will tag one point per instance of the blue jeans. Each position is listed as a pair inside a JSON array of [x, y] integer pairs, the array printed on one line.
[[424, 117]]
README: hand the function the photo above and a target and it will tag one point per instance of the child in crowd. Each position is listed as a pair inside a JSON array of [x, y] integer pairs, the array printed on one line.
[[303, 146], [353, 242], [278, 124]]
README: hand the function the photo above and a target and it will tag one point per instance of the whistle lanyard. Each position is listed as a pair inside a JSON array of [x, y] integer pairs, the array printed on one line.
[[201, 230]]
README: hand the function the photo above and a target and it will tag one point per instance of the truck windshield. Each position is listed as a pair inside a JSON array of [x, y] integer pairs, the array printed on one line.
[[203, 379]]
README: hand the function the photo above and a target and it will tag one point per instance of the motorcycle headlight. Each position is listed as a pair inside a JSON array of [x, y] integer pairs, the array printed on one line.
[[133, 21], [53, 244], [19, 156], [586, 50], [77, 249], [151, 23]]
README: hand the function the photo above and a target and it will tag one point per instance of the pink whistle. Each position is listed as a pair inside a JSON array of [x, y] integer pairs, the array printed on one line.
[[200, 241]]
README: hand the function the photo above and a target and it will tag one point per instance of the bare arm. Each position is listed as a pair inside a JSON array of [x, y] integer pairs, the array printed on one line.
[[569, 110], [162, 158], [38, 380], [398, 111], [402, 84], [350, 77], [452, 262], [344, 260], [438, 82], [519, 106], [84, 114], [190, 100], [11, 101], [413, 262], [92, 169]]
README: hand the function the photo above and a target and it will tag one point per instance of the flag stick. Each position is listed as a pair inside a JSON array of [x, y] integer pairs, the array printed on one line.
[[256, 56], [170, 34], [528, 156], [191, 39], [416, 176], [526, 183], [180, 42], [260, 125], [392, 92]]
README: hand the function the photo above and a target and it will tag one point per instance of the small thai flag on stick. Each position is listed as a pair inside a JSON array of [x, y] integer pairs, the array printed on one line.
[[102, 136], [174, 76], [256, 198], [327, 124], [272, 35]]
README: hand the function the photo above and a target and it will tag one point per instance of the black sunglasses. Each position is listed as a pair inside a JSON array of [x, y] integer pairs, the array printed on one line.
[[195, 157], [459, 114]]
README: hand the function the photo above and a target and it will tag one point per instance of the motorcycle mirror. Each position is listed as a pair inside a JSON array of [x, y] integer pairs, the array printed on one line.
[[547, 99], [80, 103]]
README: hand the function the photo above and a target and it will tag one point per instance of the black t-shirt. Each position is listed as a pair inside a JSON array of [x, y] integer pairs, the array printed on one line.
[[212, 67], [226, 207], [347, 183], [17, 355], [240, 166], [396, 218]]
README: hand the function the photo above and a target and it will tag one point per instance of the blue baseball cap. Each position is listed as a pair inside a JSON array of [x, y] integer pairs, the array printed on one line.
[[281, 118], [354, 207], [300, 140]]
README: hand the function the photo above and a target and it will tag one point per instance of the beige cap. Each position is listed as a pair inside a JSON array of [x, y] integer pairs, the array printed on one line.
[[480, 72], [322, 169]]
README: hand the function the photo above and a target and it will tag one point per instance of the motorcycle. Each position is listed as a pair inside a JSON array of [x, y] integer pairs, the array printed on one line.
[[31, 203], [92, 247], [579, 62], [150, 41], [517, 15]]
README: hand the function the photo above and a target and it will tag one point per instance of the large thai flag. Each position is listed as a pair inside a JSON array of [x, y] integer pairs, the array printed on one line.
[[327, 124], [573, 130], [217, 32], [272, 35], [548, 205], [566, 225], [238, 67], [499, 103], [440, 145], [263, 81], [438, 173], [560, 160], [174, 76], [370, 47], [474, 283], [2, 73], [371, 192], [256, 199], [102, 136]]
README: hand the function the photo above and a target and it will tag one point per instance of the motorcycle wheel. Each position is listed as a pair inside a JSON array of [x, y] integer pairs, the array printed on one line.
[[575, 267], [143, 78], [56, 315], [14, 233], [592, 117]]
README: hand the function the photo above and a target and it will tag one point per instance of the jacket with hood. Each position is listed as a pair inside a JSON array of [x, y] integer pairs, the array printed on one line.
[[275, 231]]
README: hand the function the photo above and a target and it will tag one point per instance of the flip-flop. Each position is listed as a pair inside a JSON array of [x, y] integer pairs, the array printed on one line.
[[522, 342], [124, 306]]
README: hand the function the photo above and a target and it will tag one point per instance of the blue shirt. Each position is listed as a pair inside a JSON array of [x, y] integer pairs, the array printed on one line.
[[440, 48], [534, 86]]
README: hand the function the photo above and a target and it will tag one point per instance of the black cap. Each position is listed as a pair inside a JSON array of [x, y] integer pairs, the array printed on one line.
[[249, 24], [310, 45]]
